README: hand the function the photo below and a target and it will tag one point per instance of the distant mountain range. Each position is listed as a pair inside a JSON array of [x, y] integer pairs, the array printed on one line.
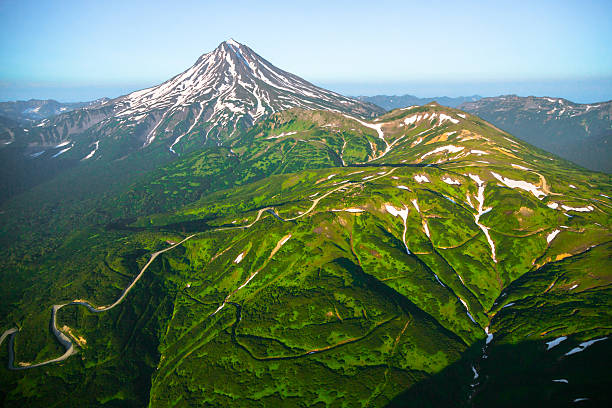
[[581, 133], [390, 102], [28, 112], [578, 132]]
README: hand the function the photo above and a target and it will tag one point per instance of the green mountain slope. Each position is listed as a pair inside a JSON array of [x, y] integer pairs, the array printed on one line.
[[326, 261]]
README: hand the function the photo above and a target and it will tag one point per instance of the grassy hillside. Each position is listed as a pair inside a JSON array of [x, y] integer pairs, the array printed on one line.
[[329, 261]]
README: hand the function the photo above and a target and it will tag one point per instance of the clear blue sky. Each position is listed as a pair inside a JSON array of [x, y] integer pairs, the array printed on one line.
[[82, 49]]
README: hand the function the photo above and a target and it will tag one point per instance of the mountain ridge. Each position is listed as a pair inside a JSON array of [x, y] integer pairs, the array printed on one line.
[[221, 95], [581, 133], [390, 102], [33, 110]]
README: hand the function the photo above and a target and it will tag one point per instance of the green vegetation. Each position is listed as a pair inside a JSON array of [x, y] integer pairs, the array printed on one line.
[[326, 269]]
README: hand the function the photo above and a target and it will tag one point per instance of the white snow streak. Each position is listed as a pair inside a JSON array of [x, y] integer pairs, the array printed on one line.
[[555, 342], [397, 212], [449, 180], [467, 309], [62, 151], [239, 258], [403, 214], [377, 128], [281, 135], [90, 155], [517, 166], [481, 210], [195, 122], [552, 235], [583, 346], [449, 149], [578, 209], [411, 120], [489, 335], [523, 185], [350, 210], [444, 118]]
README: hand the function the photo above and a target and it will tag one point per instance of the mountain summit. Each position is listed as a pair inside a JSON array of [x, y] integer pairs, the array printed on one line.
[[226, 90], [231, 88]]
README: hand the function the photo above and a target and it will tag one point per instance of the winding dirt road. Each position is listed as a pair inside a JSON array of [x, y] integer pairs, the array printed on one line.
[[61, 337], [65, 340]]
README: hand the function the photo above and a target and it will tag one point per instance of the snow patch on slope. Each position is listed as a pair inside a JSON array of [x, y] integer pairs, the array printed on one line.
[[449, 180], [523, 185], [421, 178], [449, 149], [552, 235], [584, 345], [90, 155], [481, 210]]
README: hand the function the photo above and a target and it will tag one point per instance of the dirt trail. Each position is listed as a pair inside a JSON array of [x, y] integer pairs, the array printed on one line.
[[59, 335], [65, 340]]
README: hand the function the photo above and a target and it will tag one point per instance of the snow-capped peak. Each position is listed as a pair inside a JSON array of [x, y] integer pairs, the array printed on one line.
[[233, 42], [226, 89]]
